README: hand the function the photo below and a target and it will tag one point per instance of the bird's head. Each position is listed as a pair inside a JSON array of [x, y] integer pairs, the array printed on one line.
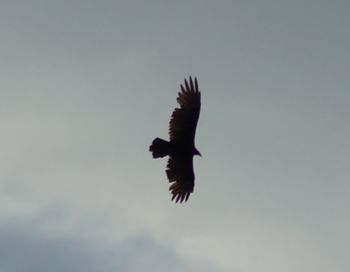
[[196, 152]]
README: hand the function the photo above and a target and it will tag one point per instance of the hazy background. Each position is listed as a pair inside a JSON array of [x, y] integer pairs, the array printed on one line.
[[85, 86]]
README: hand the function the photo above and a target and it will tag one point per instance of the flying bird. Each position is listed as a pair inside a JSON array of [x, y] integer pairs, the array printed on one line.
[[181, 147]]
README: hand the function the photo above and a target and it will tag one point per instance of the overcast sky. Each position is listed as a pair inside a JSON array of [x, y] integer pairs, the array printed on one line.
[[85, 86]]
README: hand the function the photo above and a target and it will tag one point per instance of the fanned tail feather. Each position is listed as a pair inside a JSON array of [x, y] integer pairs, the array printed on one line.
[[159, 148]]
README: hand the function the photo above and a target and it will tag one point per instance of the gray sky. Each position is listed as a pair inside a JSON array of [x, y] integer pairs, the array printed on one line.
[[85, 86]]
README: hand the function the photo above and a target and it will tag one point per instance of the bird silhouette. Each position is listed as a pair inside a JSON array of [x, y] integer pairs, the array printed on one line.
[[181, 146]]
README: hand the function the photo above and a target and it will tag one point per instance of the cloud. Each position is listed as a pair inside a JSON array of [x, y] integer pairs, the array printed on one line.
[[24, 249], [25, 246]]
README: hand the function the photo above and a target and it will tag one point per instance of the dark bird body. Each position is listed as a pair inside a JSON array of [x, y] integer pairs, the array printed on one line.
[[181, 146]]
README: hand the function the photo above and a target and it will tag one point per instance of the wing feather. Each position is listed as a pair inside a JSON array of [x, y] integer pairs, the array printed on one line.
[[180, 174], [182, 130], [183, 122]]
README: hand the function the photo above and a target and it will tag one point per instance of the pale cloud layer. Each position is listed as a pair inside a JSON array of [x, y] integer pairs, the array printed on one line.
[[25, 246]]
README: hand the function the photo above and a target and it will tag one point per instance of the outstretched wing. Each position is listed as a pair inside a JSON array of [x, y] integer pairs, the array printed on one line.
[[180, 174], [184, 120]]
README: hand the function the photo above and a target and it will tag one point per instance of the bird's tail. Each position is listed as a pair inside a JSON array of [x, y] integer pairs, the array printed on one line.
[[159, 148]]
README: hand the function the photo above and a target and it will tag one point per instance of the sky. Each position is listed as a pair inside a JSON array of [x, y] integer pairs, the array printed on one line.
[[85, 86]]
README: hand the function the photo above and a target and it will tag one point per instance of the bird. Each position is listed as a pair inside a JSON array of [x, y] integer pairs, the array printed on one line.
[[181, 145]]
